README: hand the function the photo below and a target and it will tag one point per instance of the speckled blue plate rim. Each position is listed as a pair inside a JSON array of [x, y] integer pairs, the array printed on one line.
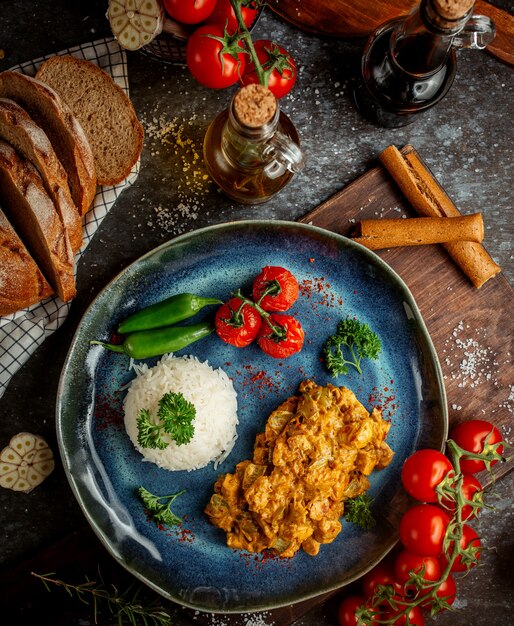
[[237, 225]]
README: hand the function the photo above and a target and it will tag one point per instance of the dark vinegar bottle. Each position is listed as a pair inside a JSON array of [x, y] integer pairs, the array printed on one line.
[[409, 64]]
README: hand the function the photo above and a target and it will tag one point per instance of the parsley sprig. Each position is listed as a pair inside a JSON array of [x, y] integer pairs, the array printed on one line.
[[175, 417], [352, 342], [358, 511], [159, 507]]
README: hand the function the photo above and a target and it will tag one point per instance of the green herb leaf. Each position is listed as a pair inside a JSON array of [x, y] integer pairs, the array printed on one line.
[[149, 434], [175, 417], [352, 342], [358, 511], [160, 511]]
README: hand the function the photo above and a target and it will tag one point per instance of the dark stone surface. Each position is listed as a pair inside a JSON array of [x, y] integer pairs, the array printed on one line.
[[466, 141]]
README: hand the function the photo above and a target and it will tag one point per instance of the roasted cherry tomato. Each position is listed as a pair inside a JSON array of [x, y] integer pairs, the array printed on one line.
[[237, 323], [189, 11], [283, 338], [422, 529], [408, 563], [472, 490], [349, 606], [224, 16], [278, 61], [472, 436], [381, 574], [423, 471], [275, 289], [469, 541], [415, 616], [214, 62]]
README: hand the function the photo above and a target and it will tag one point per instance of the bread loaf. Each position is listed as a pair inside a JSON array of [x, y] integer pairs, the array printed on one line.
[[19, 129], [71, 146], [103, 110], [21, 280], [34, 216]]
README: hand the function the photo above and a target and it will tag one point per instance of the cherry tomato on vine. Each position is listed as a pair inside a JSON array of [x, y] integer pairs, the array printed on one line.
[[237, 323], [407, 563], [381, 574], [224, 16], [280, 286], [415, 616], [469, 541], [470, 487], [283, 77], [189, 11], [447, 590], [270, 340], [213, 60], [349, 607], [423, 471], [422, 529], [471, 436]]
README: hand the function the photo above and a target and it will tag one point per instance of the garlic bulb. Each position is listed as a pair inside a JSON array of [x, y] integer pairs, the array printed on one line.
[[25, 462], [135, 23]]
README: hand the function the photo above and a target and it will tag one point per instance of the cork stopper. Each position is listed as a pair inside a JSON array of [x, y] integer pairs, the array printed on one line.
[[452, 9], [254, 105]]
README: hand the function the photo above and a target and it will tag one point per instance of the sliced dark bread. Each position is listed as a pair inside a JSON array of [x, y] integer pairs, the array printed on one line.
[[103, 110], [21, 281], [20, 130], [33, 214], [68, 139]]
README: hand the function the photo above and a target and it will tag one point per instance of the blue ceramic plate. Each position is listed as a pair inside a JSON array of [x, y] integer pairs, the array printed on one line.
[[191, 564]]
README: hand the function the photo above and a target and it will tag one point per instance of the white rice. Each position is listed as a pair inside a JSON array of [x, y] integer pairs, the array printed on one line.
[[215, 400]]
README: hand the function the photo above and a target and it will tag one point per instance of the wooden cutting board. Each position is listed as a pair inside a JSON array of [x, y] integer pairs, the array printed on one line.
[[358, 18], [473, 333]]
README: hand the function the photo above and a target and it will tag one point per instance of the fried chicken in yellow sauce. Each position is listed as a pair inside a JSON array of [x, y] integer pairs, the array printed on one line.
[[316, 452]]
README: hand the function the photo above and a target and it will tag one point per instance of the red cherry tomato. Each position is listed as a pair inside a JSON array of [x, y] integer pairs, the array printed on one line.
[[471, 436], [415, 616], [349, 607], [237, 323], [422, 472], [381, 574], [224, 16], [280, 286], [408, 563], [189, 11], [281, 347], [469, 540], [283, 77], [470, 487], [447, 591], [211, 62], [422, 529]]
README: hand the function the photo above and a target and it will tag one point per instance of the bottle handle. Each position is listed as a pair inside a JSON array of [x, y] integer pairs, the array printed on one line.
[[284, 154], [478, 33]]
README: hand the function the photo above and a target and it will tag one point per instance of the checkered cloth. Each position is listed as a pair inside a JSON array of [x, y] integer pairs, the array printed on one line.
[[22, 332]]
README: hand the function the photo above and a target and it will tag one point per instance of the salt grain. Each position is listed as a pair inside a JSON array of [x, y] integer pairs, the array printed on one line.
[[193, 183]]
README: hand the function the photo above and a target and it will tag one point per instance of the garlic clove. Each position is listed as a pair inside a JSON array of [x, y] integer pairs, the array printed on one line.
[[135, 23], [25, 462]]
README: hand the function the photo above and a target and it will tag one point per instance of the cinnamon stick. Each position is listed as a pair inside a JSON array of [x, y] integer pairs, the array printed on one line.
[[416, 231], [428, 199]]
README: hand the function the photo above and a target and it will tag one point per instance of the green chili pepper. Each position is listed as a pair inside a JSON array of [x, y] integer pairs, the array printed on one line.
[[147, 343], [170, 311]]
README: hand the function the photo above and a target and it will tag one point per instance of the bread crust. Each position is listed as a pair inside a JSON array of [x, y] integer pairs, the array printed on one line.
[[33, 214], [75, 80], [21, 281], [20, 130], [64, 131]]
